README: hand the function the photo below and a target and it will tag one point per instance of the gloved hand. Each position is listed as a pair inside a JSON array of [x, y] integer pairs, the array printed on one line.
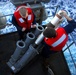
[[60, 13], [64, 13]]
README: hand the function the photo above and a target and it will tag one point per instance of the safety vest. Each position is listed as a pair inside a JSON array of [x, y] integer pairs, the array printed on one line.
[[59, 41], [24, 22]]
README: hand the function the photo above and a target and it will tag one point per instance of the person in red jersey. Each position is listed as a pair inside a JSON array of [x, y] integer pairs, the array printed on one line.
[[24, 19], [56, 38]]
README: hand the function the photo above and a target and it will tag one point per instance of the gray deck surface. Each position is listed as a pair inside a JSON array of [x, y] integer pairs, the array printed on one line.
[[34, 67], [7, 47]]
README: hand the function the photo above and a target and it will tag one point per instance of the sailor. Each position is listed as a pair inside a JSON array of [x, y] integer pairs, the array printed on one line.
[[56, 38], [24, 19]]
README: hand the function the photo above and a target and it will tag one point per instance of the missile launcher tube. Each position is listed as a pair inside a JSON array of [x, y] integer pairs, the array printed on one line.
[[20, 46], [57, 19], [30, 54], [38, 30], [30, 38]]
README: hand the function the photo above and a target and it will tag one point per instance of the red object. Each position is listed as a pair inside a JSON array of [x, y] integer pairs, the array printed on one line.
[[59, 41], [24, 22]]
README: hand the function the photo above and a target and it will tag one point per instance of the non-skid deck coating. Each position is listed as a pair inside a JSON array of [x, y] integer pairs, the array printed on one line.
[[34, 67], [7, 47]]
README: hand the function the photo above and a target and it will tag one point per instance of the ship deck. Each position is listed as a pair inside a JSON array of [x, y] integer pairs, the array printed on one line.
[[34, 67], [7, 47]]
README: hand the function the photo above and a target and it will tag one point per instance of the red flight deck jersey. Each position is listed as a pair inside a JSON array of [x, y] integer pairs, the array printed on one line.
[[24, 22], [59, 41]]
